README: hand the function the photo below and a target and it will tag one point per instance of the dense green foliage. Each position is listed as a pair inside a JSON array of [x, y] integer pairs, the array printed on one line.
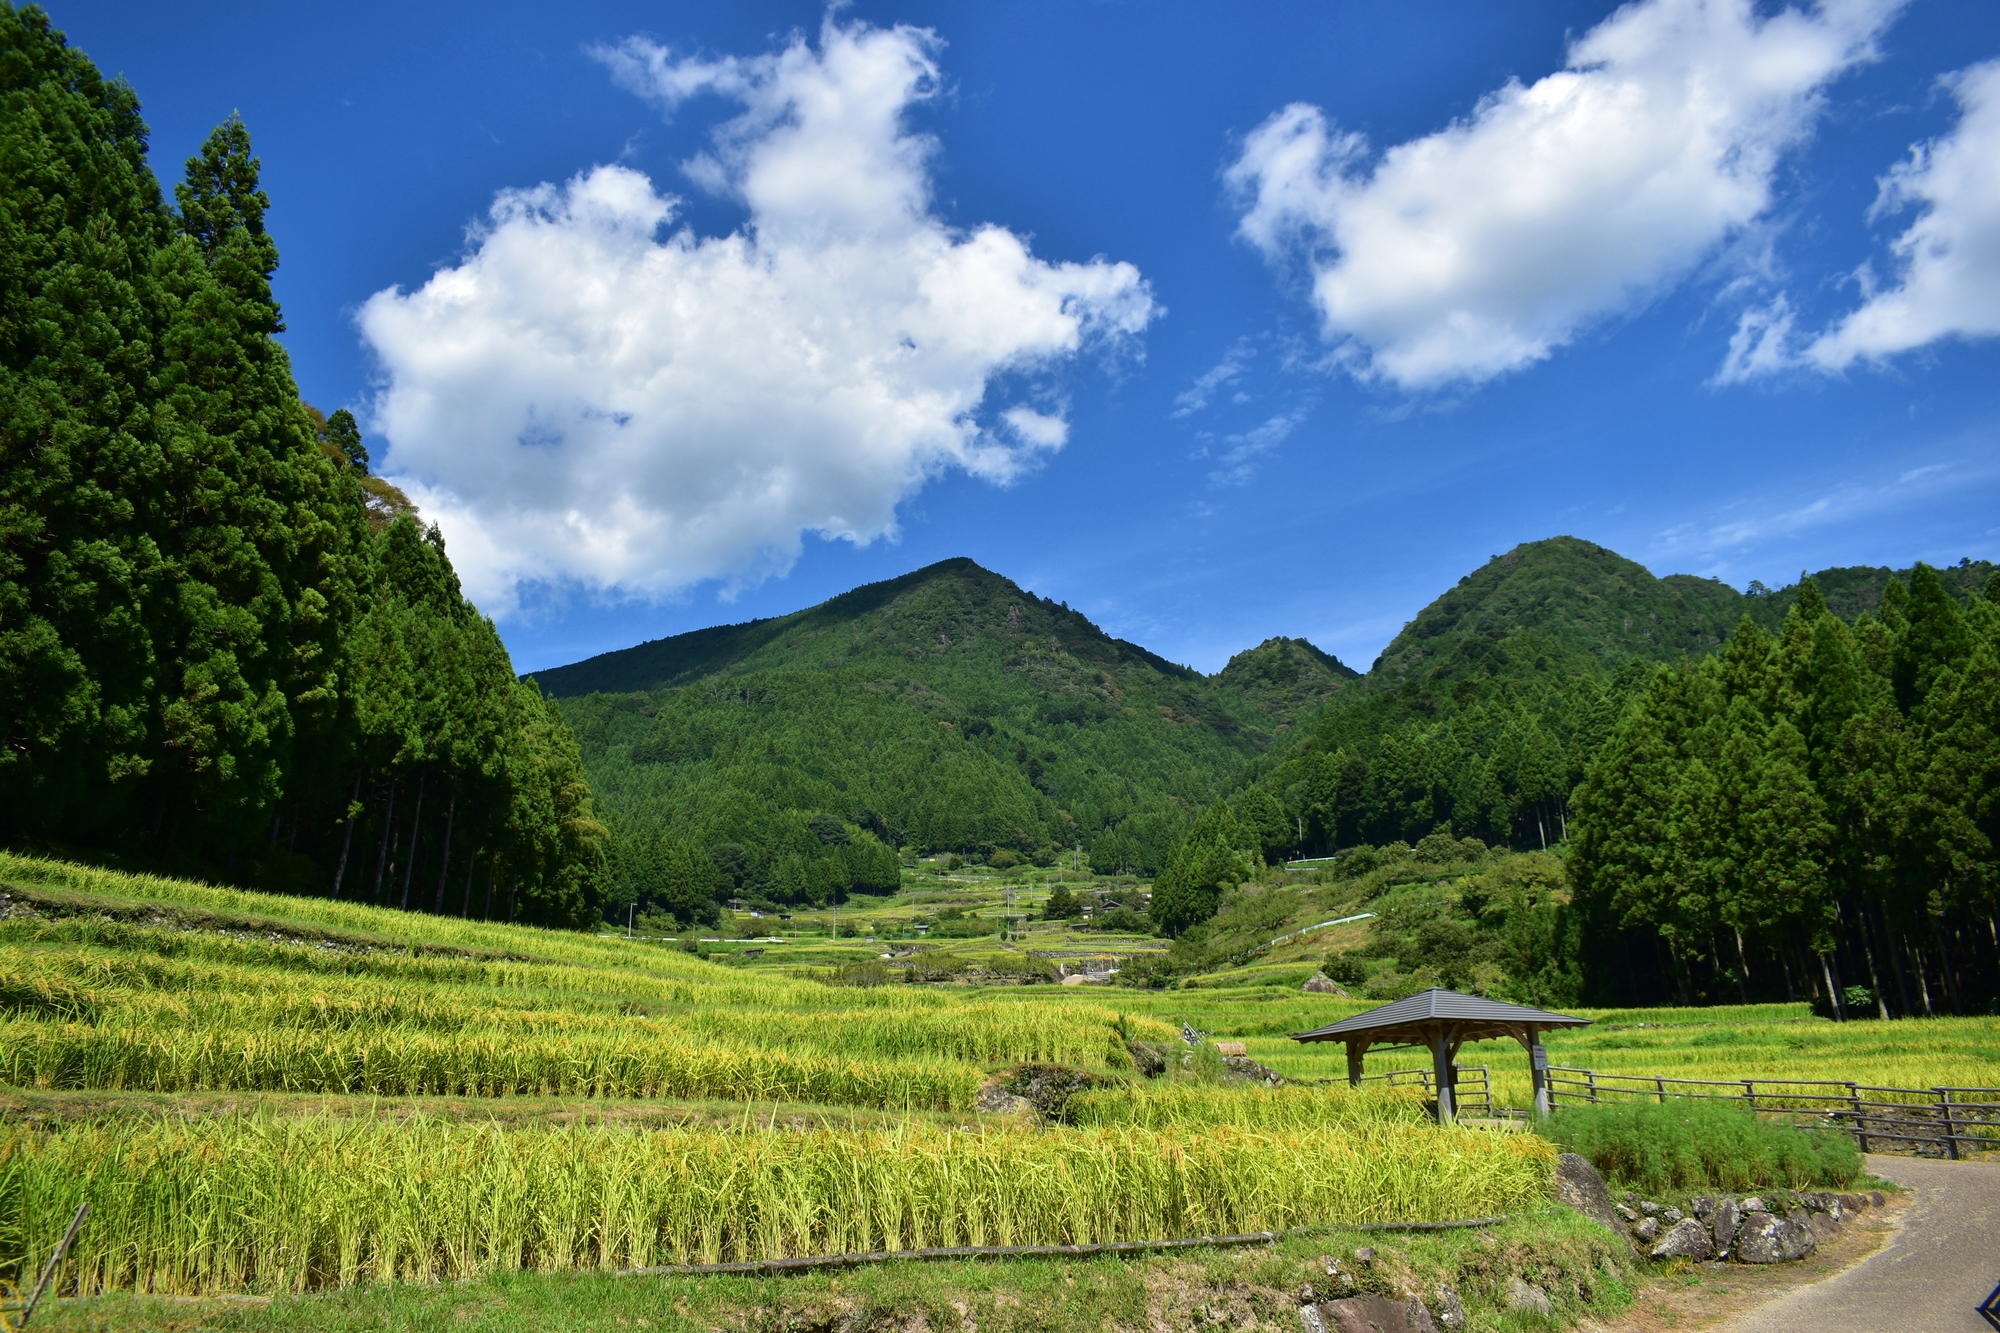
[[1697, 1143], [947, 710], [221, 639], [1827, 800], [1829, 792]]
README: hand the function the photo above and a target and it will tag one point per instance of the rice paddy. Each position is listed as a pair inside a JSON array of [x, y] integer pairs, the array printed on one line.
[[272, 1095]]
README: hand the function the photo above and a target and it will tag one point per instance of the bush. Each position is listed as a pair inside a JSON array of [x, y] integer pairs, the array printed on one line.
[[1697, 1143], [1124, 921], [1346, 967]]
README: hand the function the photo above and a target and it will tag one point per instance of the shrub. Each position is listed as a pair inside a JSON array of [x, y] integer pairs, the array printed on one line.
[[1696, 1143], [1346, 967]]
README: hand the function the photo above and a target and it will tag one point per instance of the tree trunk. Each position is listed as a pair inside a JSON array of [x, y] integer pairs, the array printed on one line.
[[444, 862], [1895, 950], [388, 823], [1923, 980], [1743, 962], [416, 828], [471, 866], [1832, 991], [1785, 961], [1944, 959], [513, 896], [347, 838], [1874, 978], [492, 882]]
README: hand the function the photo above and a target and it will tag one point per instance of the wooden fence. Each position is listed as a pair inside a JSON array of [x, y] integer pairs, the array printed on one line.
[[1946, 1121], [1470, 1085]]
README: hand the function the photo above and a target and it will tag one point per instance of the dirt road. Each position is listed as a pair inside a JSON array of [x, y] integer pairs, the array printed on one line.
[[1929, 1278]]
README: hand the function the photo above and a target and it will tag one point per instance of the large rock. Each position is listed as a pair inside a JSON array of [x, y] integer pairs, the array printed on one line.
[[1579, 1186], [1647, 1230], [1528, 1300], [1368, 1314], [1319, 983], [1687, 1239], [1727, 1215], [1767, 1238], [1451, 1310]]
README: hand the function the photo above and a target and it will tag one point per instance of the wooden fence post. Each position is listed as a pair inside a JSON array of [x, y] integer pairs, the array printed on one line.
[[1661, 1084], [1860, 1124], [1593, 1085], [1950, 1129]]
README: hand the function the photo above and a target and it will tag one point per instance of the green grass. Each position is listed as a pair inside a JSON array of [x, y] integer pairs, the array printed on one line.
[[1691, 1144]]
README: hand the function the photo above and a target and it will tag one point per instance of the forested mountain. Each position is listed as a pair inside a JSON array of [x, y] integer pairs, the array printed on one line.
[[945, 710], [224, 645]]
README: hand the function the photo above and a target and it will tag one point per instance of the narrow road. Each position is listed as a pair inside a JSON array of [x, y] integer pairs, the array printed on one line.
[[1929, 1278]]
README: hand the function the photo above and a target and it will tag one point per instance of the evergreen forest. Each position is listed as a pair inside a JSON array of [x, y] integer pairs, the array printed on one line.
[[225, 647]]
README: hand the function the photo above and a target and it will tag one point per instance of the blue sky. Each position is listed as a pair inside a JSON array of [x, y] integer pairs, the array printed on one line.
[[1216, 322]]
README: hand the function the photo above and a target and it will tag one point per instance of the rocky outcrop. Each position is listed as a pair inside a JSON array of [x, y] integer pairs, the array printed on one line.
[[1528, 1300], [1767, 1238], [1319, 983], [1686, 1239], [1368, 1314], [1579, 1186]]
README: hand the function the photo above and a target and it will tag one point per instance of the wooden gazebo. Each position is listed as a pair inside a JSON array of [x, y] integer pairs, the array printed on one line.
[[1440, 1021]]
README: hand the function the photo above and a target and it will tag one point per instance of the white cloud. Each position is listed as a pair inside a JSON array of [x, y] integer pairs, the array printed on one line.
[[1481, 248], [579, 399], [1949, 285], [1225, 371], [1238, 464]]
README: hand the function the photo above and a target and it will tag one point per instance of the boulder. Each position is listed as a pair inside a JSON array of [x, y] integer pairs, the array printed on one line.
[[1368, 1314], [1687, 1239], [1767, 1238], [1649, 1208], [1624, 1212], [1647, 1230], [1319, 983], [1527, 1299], [1703, 1205], [1723, 1224], [1450, 1309], [1579, 1186], [1753, 1204], [1673, 1215]]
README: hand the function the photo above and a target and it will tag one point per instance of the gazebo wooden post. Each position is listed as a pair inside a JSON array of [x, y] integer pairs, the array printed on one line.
[[1357, 1052], [1538, 1064], [1441, 1068]]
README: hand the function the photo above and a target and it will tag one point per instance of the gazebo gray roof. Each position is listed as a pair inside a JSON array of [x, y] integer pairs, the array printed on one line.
[[1466, 1017]]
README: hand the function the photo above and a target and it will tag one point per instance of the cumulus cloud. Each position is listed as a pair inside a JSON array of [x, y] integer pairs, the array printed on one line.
[[1949, 258], [588, 396], [1481, 248]]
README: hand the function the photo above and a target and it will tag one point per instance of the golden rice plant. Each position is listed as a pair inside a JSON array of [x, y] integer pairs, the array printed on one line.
[[295, 1204], [1185, 1107], [156, 1058]]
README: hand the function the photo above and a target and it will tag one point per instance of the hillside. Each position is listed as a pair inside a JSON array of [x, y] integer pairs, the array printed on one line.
[[948, 709]]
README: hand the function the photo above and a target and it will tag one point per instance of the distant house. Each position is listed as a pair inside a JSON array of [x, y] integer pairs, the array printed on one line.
[[738, 905]]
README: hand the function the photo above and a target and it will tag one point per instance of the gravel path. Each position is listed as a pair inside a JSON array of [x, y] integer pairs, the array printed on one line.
[[1929, 1278]]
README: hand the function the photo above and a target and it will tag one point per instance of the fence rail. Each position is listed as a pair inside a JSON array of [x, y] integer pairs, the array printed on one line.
[[1946, 1120], [1469, 1083]]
